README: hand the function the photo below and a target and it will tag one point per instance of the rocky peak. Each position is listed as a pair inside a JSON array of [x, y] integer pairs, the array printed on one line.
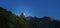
[[23, 15]]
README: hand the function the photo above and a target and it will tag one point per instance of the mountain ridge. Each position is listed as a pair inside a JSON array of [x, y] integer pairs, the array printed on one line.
[[10, 20]]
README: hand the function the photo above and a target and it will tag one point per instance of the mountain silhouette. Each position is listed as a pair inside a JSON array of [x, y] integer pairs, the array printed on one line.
[[10, 20]]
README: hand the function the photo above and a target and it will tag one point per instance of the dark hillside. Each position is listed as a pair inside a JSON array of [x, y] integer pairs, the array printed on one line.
[[9, 20]]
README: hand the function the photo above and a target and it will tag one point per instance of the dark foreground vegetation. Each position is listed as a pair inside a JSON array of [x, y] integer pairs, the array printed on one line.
[[10, 20]]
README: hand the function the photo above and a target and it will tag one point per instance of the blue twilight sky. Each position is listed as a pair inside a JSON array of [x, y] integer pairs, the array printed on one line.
[[37, 8]]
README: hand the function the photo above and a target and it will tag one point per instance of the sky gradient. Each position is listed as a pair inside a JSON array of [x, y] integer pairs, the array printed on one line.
[[37, 8]]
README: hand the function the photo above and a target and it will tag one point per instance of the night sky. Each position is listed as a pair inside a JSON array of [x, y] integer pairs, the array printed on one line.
[[37, 8]]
